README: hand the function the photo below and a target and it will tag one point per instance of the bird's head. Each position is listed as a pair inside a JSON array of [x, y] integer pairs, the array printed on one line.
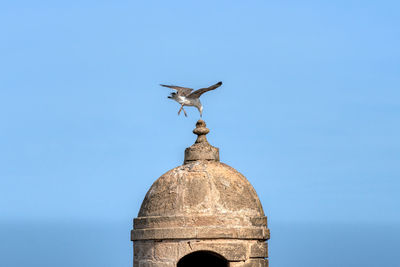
[[172, 95]]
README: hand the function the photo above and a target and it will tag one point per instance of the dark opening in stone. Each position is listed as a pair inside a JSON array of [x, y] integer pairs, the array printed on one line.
[[203, 258]]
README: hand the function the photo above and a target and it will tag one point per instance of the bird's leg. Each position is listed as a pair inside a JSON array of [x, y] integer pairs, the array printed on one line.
[[184, 112], [179, 112]]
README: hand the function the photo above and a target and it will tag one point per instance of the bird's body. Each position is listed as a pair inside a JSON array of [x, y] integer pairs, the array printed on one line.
[[186, 101], [188, 97]]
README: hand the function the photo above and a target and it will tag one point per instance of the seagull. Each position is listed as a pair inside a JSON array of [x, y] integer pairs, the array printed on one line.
[[188, 97]]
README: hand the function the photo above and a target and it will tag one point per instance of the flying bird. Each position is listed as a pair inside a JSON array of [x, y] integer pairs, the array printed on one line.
[[188, 97]]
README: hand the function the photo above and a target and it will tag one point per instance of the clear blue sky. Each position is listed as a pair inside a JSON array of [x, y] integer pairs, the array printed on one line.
[[309, 110]]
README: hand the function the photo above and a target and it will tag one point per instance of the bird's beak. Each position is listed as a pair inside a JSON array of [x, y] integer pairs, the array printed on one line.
[[169, 96]]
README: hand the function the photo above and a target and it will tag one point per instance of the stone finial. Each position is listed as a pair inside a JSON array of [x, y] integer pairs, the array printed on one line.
[[201, 149]]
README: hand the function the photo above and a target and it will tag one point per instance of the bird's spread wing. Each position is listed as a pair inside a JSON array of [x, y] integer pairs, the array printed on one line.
[[181, 90], [198, 93]]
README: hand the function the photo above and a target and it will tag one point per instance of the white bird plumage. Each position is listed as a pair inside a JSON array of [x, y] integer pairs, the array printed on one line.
[[187, 97]]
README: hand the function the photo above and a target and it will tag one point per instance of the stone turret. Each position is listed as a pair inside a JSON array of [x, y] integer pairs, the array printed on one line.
[[202, 213]]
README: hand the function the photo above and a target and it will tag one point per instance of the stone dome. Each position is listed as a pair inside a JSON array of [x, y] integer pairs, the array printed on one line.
[[202, 188], [203, 198]]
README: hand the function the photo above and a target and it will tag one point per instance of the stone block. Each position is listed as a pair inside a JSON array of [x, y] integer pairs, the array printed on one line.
[[143, 250], [184, 248], [251, 233], [250, 263], [166, 250], [232, 251], [257, 263], [148, 263], [259, 250], [163, 233], [177, 233], [266, 234], [259, 221], [216, 232], [237, 264]]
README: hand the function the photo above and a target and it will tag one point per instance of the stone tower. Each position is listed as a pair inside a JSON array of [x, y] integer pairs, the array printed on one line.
[[202, 213]]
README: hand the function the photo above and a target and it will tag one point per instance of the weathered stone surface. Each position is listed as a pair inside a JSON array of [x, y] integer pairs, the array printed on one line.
[[266, 234], [220, 232], [210, 232], [149, 263], [196, 191], [230, 250], [201, 149], [143, 250], [198, 221], [165, 250], [202, 188], [163, 233], [259, 250], [250, 263], [203, 205], [259, 221]]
